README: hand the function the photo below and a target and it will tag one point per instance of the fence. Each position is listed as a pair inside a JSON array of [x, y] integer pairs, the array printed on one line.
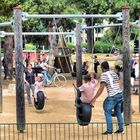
[[67, 131]]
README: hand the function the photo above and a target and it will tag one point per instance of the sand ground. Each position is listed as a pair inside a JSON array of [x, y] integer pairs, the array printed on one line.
[[59, 108]]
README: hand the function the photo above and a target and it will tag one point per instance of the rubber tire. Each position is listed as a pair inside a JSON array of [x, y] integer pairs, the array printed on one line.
[[83, 114], [62, 82], [113, 113], [40, 101]]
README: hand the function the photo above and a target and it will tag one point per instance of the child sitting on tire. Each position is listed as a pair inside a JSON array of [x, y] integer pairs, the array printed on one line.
[[39, 86], [87, 90]]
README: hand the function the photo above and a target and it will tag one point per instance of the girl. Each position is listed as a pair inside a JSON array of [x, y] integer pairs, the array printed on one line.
[[87, 90], [39, 86]]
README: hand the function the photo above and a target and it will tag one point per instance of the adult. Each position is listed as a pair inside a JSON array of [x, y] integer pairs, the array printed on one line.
[[85, 67], [96, 64], [136, 80], [46, 74], [29, 79], [5, 68], [110, 80]]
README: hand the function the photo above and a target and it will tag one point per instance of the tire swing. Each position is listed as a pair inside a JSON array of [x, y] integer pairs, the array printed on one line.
[[83, 113], [83, 110], [113, 114], [40, 101]]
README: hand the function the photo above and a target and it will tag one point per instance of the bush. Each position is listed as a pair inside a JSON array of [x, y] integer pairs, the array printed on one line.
[[30, 46], [70, 45], [84, 45], [102, 47]]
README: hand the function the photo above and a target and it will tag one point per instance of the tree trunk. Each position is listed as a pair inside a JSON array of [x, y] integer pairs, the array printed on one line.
[[8, 56], [53, 45], [90, 35]]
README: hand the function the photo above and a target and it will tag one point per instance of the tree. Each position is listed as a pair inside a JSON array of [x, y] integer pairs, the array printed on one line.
[[91, 7]]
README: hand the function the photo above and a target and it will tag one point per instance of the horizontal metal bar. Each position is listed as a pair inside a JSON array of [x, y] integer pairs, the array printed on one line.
[[5, 24], [72, 16], [2, 33], [102, 26], [135, 24]]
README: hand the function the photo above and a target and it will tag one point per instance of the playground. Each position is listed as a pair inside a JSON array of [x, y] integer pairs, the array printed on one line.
[[60, 103], [61, 117], [58, 117]]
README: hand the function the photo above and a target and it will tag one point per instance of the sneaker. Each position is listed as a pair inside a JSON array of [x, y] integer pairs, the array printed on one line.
[[107, 133], [119, 131]]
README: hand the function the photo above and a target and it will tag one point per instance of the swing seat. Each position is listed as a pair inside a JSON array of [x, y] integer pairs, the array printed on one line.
[[40, 101], [113, 114], [83, 113]]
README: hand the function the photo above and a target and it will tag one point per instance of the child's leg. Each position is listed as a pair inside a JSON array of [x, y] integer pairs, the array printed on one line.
[[35, 95], [45, 95]]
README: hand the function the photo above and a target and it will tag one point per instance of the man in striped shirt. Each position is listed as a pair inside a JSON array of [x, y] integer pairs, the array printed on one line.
[[110, 80]]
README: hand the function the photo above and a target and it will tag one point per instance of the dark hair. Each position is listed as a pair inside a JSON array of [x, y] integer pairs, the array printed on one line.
[[29, 64], [87, 78], [93, 75], [105, 65], [117, 67]]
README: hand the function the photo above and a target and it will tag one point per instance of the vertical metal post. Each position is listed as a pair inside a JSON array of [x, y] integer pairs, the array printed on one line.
[[126, 65], [20, 103], [0, 81], [139, 62], [78, 56]]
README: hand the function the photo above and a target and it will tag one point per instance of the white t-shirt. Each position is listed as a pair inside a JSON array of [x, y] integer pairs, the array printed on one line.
[[112, 82]]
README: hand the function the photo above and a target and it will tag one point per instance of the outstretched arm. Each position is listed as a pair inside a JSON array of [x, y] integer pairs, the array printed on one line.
[[49, 66], [100, 90]]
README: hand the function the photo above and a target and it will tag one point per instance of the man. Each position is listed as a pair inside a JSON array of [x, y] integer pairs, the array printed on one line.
[[5, 68], [110, 80]]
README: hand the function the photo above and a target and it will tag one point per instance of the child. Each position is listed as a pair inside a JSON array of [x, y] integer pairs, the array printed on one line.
[[87, 90], [96, 64], [93, 78], [39, 86]]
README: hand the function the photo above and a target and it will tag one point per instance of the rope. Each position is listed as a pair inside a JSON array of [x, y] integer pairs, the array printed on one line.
[[113, 46], [62, 37], [94, 43]]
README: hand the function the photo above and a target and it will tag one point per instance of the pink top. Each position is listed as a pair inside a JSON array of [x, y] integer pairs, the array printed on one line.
[[39, 86], [87, 92]]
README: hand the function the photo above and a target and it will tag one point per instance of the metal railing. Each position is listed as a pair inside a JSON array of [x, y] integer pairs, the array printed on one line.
[[67, 131]]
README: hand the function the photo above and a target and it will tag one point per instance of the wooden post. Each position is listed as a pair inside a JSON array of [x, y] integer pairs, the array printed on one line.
[[139, 63], [20, 104], [78, 56], [126, 65], [0, 81]]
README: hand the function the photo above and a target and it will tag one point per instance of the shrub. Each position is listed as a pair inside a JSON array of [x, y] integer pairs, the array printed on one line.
[[30, 46], [102, 47], [85, 45], [70, 45]]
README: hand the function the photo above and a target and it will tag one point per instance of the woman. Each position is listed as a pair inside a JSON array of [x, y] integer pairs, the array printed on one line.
[[29, 82], [45, 71], [85, 67]]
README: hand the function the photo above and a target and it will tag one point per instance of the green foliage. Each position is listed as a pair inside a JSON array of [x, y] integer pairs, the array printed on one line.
[[30, 46], [102, 47], [84, 45], [70, 45]]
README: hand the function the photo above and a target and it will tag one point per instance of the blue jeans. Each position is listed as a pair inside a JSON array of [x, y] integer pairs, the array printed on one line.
[[46, 75], [113, 102]]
